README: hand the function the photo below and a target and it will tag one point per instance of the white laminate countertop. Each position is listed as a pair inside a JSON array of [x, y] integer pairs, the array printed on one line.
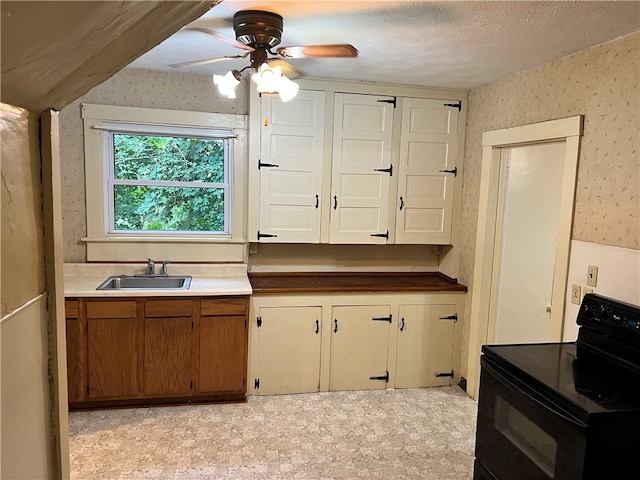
[[82, 279]]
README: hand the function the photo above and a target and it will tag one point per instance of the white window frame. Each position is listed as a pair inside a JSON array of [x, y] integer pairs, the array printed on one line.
[[111, 129], [105, 244]]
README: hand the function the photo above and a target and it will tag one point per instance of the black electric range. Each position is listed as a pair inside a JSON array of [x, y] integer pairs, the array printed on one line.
[[564, 410]]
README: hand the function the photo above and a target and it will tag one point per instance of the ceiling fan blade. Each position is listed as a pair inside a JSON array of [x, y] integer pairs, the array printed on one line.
[[220, 36], [207, 61], [318, 51], [288, 70]]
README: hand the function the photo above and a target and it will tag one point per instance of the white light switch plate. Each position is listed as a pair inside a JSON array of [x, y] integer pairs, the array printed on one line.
[[592, 276]]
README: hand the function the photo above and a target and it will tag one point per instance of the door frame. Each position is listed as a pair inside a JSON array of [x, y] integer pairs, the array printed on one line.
[[568, 130]]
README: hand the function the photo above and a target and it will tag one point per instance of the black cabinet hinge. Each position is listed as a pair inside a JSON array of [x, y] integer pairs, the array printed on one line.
[[381, 235], [454, 171], [453, 317], [454, 105], [259, 321], [383, 319], [445, 374], [265, 235], [256, 383], [392, 101], [269, 165], [385, 170], [384, 377]]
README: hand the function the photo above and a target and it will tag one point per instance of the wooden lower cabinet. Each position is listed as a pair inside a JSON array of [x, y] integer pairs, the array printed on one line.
[[288, 357], [425, 345], [222, 346], [144, 351], [112, 349], [359, 347], [400, 340]]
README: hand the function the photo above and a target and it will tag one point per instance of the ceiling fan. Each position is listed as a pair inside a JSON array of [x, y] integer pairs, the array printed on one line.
[[257, 32]]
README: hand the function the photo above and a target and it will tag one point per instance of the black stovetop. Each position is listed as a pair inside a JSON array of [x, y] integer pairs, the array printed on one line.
[[586, 388]]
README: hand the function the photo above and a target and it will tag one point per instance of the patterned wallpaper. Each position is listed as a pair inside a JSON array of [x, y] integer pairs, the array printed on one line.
[[601, 83], [134, 88]]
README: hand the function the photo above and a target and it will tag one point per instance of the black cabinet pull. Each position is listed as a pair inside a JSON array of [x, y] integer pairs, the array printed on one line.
[[402, 324], [335, 325], [317, 326], [335, 202], [317, 201], [401, 203], [383, 319]]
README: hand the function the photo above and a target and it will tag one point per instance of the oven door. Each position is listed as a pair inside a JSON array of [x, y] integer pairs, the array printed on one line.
[[521, 434]]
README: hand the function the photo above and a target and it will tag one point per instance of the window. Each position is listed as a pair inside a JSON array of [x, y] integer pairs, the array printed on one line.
[[167, 180], [167, 184]]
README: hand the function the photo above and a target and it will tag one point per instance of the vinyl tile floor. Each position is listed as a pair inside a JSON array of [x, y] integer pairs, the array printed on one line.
[[389, 434]]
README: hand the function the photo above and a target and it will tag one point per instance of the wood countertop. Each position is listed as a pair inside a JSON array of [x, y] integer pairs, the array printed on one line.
[[306, 282]]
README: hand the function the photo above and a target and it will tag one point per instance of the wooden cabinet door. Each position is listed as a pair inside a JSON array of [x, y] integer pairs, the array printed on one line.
[[428, 151], [425, 345], [288, 343], [112, 343], [359, 347], [167, 356], [76, 382], [222, 365], [291, 161], [361, 150]]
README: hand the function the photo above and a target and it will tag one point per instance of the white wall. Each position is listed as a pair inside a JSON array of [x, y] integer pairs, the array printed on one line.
[[618, 277]]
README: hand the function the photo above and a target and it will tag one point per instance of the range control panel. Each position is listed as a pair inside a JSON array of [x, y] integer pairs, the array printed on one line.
[[598, 311]]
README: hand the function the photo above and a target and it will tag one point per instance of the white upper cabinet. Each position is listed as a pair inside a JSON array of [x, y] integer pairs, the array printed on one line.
[[426, 171], [290, 165], [361, 169], [361, 166]]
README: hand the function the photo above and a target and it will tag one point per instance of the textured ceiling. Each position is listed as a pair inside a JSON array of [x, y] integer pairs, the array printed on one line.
[[439, 44]]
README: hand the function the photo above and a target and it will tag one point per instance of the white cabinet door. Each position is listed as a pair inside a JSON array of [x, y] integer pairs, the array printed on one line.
[[291, 159], [425, 345], [359, 186], [288, 350], [428, 149], [359, 347]]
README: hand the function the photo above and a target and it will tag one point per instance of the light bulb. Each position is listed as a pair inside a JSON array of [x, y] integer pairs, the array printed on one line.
[[287, 89], [227, 84], [267, 78]]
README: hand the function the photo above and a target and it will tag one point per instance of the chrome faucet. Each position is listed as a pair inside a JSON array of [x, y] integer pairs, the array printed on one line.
[[163, 272], [151, 267]]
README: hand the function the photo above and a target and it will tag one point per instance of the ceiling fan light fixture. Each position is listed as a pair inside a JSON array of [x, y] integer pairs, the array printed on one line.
[[288, 89], [270, 79], [227, 83]]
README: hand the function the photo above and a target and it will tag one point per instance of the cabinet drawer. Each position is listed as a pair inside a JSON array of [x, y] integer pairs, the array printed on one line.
[[117, 309], [224, 306], [168, 308], [71, 308]]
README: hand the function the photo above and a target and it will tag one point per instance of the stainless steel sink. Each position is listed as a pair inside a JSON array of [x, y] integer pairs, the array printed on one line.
[[133, 282]]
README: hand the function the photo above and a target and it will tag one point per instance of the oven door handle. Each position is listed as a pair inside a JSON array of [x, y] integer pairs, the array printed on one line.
[[503, 378]]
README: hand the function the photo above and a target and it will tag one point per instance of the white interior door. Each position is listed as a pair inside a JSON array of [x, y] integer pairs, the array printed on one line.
[[291, 159], [526, 237], [359, 184]]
